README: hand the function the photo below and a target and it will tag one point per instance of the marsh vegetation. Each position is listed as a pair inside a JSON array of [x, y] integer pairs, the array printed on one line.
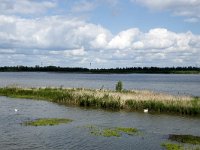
[[172, 146], [189, 139], [47, 122], [179, 146], [184, 142], [111, 132], [107, 99]]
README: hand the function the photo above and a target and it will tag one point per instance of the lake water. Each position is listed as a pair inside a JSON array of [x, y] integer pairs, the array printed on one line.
[[169, 83], [154, 129]]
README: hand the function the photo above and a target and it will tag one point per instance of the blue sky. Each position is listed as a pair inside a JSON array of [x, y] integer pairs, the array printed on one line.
[[106, 33]]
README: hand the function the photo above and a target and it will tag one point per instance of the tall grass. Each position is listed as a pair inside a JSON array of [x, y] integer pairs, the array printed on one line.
[[129, 100]]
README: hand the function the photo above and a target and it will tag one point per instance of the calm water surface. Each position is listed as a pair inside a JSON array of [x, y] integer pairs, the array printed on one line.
[[168, 83], [74, 136]]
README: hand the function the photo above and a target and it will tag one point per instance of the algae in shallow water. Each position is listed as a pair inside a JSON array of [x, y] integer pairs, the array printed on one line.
[[172, 146], [110, 132], [47, 122], [129, 131], [189, 139]]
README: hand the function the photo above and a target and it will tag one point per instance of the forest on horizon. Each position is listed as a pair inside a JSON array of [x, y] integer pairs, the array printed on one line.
[[166, 70]]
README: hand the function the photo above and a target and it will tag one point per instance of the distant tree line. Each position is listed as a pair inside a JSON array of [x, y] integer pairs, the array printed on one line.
[[41, 69], [166, 70]]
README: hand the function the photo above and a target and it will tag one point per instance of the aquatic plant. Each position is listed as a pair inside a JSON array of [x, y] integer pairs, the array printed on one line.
[[107, 99], [197, 148], [129, 131], [94, 130], [172, 146], [47, 122], [109, 132], [189, 139]]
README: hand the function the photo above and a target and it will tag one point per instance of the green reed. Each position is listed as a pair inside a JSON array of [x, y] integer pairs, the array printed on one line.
[[107, 99]]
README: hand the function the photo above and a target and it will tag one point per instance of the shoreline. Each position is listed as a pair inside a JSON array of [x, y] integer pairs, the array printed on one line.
[[118, 70], [181, 73], [136, 100]]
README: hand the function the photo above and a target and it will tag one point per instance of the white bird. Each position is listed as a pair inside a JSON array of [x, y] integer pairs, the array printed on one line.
[[16, 110], [146, 110]]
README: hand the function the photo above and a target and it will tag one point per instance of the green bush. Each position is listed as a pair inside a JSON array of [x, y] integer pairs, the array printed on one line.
[[119, 86]]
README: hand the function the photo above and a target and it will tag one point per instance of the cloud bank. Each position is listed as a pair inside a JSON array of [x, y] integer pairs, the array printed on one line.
[[66, 41], [70, 41]]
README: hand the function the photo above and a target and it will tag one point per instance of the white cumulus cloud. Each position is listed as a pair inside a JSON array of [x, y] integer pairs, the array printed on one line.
[[124, 39], [186, 8], [65, 41]]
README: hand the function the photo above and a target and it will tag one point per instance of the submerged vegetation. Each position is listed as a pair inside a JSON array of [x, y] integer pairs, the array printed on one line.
[[129, 131], [189, 139], [47, 122], [106, 99], [186, 142], [110, 132], [175, 146], [172, 146]]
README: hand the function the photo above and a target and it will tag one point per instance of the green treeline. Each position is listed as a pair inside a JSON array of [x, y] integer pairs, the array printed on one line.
[[166, 70], [41, 69]]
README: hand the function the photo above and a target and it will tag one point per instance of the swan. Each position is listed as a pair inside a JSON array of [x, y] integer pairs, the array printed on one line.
[[16, 110], [146, 110]]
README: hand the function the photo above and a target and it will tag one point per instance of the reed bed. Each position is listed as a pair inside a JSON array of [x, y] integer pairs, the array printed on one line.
[[107, 99]]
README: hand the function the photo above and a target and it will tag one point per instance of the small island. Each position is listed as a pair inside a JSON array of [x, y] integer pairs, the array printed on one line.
[[128, 100]]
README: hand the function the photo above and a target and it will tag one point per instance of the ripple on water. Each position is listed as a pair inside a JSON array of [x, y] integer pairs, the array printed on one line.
[[74, 135]]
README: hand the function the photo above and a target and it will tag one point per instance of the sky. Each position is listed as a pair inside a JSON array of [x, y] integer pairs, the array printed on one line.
[[100, 33]]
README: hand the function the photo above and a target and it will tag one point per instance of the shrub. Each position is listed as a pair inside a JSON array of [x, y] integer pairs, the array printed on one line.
[[119, 86]]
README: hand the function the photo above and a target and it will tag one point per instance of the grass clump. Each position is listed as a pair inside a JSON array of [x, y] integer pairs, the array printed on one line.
[[187, 142], [106, 132], [189, 139], [94, 130], [47, 122], [109, 132], [172, 146], [128, 131]]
